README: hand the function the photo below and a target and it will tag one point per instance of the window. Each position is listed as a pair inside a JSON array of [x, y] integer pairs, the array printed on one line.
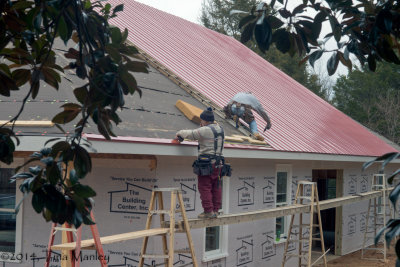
[[10, 223], [216, 238], [282, 193]]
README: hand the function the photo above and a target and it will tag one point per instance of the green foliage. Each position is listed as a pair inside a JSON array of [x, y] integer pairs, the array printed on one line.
[[372, 100], [99, 55], [392, 229], [369, 29], [216, 16]]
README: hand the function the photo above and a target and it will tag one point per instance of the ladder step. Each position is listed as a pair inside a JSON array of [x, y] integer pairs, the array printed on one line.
[[172, 189], [65, 229], [155, 256], [304, 197], [305, 182], [159, 212]]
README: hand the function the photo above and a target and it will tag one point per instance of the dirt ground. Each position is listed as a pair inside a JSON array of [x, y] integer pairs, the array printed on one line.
[[354, 259]]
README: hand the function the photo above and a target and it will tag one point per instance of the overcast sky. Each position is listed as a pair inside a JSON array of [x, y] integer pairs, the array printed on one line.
[[187, 9]]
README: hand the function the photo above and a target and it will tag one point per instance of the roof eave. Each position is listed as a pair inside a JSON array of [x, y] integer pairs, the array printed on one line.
[[164, 147]]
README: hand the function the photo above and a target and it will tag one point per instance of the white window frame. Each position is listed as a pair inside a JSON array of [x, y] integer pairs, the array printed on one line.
[[9, 256], [288, 169], [222, 252]]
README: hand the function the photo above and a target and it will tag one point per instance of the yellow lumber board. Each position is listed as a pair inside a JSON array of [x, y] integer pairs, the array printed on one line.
[[250, 140], [191, 112], [28, 123], [112, 239], [256, 142], [233, 139], [244, 137]]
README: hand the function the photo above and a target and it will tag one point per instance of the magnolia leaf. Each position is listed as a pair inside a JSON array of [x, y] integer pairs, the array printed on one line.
[[315, 56], [263, 35], [391, 177], [247, 33], [65, 116], [244, 21], [63, 30], [82, 162], [21, 76], [282, 40], [332, 64], [83, 191], [390, 155], [274, 22], [394, 195]]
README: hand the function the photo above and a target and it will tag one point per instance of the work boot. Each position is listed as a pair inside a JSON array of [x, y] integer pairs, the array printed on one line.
[[207, 215], [218, 213], [258, 136]]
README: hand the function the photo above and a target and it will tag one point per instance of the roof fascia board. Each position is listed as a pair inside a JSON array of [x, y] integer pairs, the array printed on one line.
[[35, 143]]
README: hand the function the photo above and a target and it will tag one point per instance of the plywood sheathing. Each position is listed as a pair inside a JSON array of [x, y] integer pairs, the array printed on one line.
[[191, 112]]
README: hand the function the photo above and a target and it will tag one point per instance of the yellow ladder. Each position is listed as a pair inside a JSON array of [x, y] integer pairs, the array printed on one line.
[[378, 207], [168, 251], [306, 254]]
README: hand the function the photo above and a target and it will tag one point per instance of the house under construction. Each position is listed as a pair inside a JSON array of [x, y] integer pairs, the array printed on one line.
[[310, 140]]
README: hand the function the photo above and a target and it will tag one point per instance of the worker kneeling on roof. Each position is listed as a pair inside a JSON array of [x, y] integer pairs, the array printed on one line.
[[210, 165], [240, 106]]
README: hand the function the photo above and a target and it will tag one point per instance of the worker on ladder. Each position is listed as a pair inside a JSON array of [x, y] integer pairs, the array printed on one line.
[[210, 165], [240, 106]]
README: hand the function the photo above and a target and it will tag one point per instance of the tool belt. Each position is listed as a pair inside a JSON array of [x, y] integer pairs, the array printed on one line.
[[203, 165]]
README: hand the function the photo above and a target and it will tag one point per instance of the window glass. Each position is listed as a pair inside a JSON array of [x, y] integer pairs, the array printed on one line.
[[213, 233], [281, 187], [331, 188], [7, 218], [282, 197], [212, 238]]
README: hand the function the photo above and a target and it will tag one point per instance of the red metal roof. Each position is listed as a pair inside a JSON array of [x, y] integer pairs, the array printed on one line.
[[219, 66]]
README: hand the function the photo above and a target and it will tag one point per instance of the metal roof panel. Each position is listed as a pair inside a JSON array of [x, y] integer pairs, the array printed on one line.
[[218, 66]]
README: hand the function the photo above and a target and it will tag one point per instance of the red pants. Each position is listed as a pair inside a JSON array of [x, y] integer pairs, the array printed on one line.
[[210, 189]]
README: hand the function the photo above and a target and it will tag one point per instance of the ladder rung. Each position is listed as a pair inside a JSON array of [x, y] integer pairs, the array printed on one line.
[[159, 212], [172, 189], [65, 229], [304, 197], [155, 256], [305, 182]]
